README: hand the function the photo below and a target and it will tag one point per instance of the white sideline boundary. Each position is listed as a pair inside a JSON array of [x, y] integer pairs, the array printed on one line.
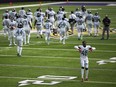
[[99, 82], [51, 57]]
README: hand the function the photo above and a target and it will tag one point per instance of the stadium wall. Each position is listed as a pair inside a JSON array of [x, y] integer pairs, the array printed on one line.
[[8, 1]]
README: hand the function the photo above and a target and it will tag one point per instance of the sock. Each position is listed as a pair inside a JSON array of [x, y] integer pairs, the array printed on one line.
[[20, 50], [17, 49], [87, 72], [82, 73], [28, 38]]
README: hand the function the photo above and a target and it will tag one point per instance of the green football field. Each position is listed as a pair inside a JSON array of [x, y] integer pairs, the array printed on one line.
[[58, 65]]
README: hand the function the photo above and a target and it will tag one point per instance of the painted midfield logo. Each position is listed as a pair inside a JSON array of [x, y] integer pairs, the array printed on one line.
[[50, 81]]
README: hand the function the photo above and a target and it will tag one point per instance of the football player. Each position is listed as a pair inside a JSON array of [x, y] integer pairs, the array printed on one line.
[[39, 21], [48, 27], [84, 49], [19, 34], [80, 27], [72, 21], [27, 27], [63, 29], [96, 22], [22, 12], [12, 27], [6, 22], [89, 22]]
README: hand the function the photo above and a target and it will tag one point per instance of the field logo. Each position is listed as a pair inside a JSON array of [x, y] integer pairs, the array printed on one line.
[[111, 60], [46, 77]]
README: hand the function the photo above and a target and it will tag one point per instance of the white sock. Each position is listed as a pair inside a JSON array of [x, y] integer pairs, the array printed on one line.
[[82, 73], [87, 72], [17, 49], [20, 50], [28, 38]]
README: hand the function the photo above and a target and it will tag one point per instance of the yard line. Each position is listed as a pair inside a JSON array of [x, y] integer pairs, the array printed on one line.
[[51, 57], [28, 78], [71, 42], [27, 48], [53, 67]]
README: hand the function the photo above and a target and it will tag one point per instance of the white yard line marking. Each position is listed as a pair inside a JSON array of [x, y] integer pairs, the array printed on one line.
[[64, 49], [51, 57], [28, 78], [53, 67]]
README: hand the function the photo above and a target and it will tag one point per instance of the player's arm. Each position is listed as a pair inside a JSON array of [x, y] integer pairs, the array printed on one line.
[[77, 48], [92, 49]]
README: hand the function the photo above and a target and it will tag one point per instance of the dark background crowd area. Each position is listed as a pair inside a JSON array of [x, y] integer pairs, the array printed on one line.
[[8, 1]]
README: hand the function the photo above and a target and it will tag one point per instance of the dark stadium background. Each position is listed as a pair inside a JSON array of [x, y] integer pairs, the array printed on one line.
[[8, 1]]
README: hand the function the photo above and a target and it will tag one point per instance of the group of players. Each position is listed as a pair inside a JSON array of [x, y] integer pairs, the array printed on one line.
[[55, 22], [19, 24]]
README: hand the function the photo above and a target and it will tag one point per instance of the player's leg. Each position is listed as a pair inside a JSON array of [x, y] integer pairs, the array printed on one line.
[[25, 37], [10, 38], [61, 36], [14, 39], [82, 69], [95, 30], [79, 33], [28, 36], [64, 34], [17, 47], [86, 69], [20, 47]]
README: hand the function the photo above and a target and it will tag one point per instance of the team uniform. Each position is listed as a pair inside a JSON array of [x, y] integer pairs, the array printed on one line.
[[12, 27], [89, 23], [96, 22], [80, 27], [6, 23], [84, 49], [48, 27], [30, 16], [63, 29], [39, 21], [72, 18], [22, 12], [27, 27], [12, 14], [19, 34], [5, 14]]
